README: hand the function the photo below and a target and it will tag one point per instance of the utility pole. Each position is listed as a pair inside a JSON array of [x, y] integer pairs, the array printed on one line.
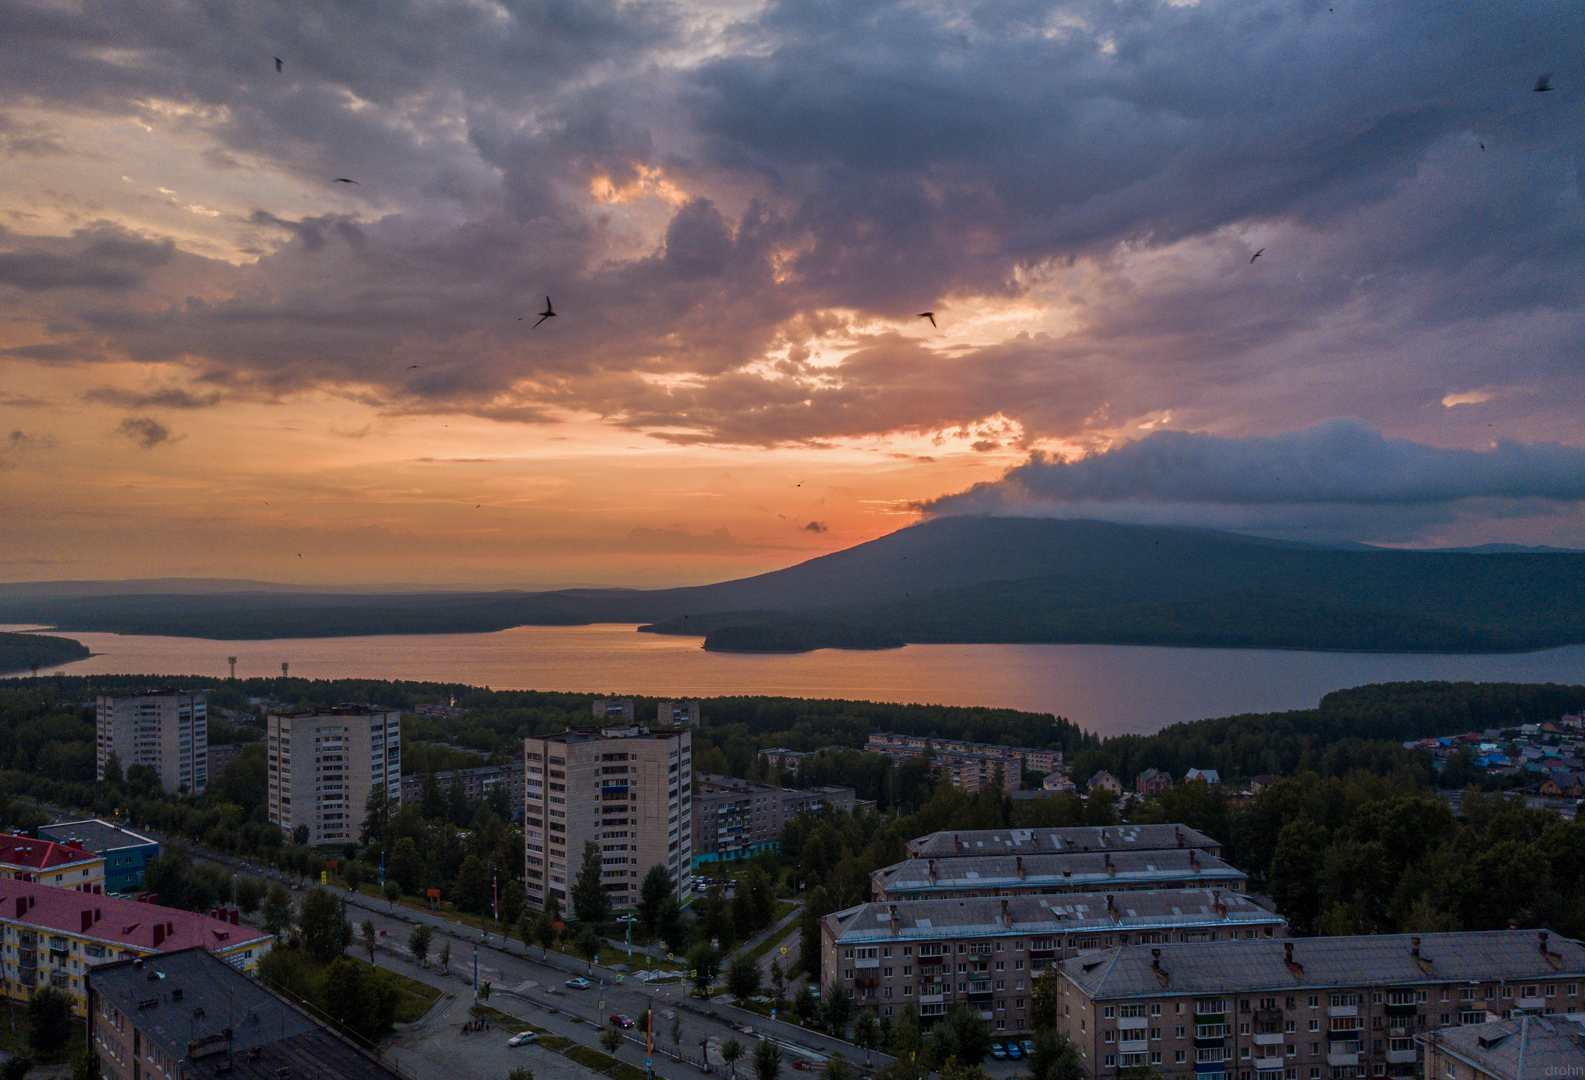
[[475, 974]]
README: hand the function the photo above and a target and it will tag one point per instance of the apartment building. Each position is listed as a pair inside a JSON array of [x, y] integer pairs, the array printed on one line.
[[167, 730], [738, 819], [890, 955], [613, 710], [968, 765], [323, 763], [1035, 875], [950, 844], [817, 800], [1327, 1008], [478, 784], [628, 790], [189, 1016], [54, 937], [1520, 1048], [677, 714], [47, 862], [223, 754], [125, 852]]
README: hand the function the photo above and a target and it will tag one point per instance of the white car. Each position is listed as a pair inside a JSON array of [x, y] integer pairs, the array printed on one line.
[[580, 983], [522, 1038]]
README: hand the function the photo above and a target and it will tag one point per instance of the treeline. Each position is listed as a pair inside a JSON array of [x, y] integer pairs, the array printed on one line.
[[30, 652]]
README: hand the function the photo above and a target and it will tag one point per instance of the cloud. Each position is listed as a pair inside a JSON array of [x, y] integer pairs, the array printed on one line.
[[103, 258], [815, 527], [172, 397], [145, 431]]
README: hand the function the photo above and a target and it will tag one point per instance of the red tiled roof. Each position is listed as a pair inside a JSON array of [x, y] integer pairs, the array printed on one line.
[[116, 921], [40, 854]]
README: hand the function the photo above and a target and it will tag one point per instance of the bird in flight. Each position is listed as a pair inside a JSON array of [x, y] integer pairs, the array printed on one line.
[[927, 315], [1257, 255], [344, 180], [412, 367], [278, 64], [1544, 83], [548, 313], [1482, 146]]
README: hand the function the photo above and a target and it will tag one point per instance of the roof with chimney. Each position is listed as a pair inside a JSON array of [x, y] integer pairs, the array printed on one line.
[[955, 843], [934, 920], [118, 922], [216, 1022], [95, 834], [28, 854], [1236, 967], [1073, 870], [1521, 1048]]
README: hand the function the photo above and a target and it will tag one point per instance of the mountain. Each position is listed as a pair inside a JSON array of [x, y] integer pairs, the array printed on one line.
[[971, 579]]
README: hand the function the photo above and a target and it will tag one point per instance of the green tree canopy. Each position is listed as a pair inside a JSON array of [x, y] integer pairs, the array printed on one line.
[[590, 902]]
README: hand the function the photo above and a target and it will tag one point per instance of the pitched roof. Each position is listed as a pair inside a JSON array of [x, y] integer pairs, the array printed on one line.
[[1522, 1048], [1374, 959], [117, 921], [950, 843], [41, 854], [932, 920], [1073, 868]]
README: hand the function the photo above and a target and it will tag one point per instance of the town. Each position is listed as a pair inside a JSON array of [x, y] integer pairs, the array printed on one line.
[[607, 888]]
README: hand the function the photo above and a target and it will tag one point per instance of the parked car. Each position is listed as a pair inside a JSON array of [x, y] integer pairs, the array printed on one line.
[[1013, 1051], [997, 1052], [620, 1021], [627, 918], [1028, 1047], [522, 1038], [579, 983]]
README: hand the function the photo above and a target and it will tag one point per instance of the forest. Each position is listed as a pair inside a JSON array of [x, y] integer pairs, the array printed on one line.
[[34, 652]]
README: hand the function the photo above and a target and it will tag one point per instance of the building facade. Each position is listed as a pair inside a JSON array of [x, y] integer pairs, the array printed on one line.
[[934, 954], [628, 790], [677, 714], [167, 730], [53, 937], [1326, 1008], [49, 862], [188, 1016], [735, 819], [613, 710], [478, 784], [125, 852], [323, 764], [952, 844], [968, 765], [223, 754], [1044, 875]]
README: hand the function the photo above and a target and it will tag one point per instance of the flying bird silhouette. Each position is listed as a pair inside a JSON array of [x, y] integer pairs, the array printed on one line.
[[928, 315], [412, 367], [548, 313], [278, 64], [1544, 83], [344, 180], [1257, 255], [1482, 146]]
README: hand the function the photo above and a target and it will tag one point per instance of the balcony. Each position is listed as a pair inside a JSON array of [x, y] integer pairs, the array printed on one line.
[[1129, 1023], [1405, 1008], [872, 962], [1210, 1070], [1528, 1004], [1269, 1038], [1400, 1057], [1269, 1062], [931, 999], [1342, 1059], [1336, 1034], [1343, 1010], [1133, 1046]]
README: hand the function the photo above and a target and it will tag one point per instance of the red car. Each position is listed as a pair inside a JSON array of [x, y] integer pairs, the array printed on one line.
[[620, 1021]]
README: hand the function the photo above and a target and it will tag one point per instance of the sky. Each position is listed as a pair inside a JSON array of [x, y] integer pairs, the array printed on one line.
[[216, 360]]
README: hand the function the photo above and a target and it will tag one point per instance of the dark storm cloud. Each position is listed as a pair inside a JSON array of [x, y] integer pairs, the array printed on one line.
[[879, 156], [145, 431]]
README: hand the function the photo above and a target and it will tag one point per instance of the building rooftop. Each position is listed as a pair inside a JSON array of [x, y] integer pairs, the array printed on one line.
[[625, 731], [950, 843], [1122, 869], [40, 854], [1522, 1048], [1374, 959], [196, 1008], [117, 921], [932, 920], [153, 691], [96, 834], [347, 709]]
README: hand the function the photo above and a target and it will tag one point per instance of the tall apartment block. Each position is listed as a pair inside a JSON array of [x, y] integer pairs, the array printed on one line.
[[324, 763], [165, 729], [1326, 1008], [629, 790]]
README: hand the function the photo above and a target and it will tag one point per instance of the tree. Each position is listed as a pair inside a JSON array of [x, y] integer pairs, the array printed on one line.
[[49, 1021], [590, 902], [406, 867], [471, 890], [86, 1066], [520, 1073], [249, 893], [960, 1035], [360, 997], [806, 1006], [418, 941], [906, 1037], [836, 1069], [652, 894], [545, 933], [377, 812], [836, 1007], [300, 835], [742, 978], [705, 963], [525, 928], [676, 1030], [1300, 853], [818, 905], [778, 979], [731, 1051], [278, 910], [444, 959], [352, 874], [113, 768], [865, 1032], [588, 942], [611, 1039], [673, 931], [392, 892], [767, 1061], [371, 937], [1054, 1057], [322, 925]]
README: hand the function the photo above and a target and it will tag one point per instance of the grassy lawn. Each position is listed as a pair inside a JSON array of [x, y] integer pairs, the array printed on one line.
[[771, 943], [417, 997]]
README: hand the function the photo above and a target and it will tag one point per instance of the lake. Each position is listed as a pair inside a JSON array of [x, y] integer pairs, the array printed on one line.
[[1109, 689]]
